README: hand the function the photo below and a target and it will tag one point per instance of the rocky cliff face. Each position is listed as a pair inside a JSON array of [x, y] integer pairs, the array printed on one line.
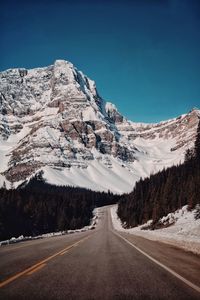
[[53, 119]]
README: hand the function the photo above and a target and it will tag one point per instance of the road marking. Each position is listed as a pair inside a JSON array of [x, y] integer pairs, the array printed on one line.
[[73, 245], [44, 261], [67, 249], [36, 269], [189, 283]]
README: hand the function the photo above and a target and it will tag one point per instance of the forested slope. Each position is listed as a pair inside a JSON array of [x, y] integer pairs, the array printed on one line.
[[40, 208], [163, 192]]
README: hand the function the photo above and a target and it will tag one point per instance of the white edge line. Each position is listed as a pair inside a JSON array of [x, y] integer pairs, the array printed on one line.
[[192, 285]]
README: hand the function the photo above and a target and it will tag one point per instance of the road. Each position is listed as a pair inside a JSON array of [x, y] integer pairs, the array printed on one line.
[[97, 264]]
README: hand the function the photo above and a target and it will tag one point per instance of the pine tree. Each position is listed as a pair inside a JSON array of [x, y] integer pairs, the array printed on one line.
[[189, 154], [197, 144], [164, 192]]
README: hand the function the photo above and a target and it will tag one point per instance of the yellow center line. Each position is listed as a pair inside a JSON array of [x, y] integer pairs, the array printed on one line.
[[30, 269], [66, 250], [36, 269]]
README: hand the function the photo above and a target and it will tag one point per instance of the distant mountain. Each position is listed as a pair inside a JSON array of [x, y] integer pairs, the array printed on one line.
[[164, 192], [53, 119]]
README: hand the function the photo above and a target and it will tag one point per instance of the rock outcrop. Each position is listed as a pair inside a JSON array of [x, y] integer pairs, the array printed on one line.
[[53, 118]]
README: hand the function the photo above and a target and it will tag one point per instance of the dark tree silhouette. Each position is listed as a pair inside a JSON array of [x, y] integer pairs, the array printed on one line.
[[164, 192], [197, 144], [39, 207]]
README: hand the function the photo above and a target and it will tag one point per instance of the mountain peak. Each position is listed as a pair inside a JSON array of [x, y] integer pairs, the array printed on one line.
[[62, 62], [194, 110], [53, 119], [63, 65]]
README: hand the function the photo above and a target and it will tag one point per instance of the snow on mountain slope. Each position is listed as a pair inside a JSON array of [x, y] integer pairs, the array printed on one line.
[[53, 119]]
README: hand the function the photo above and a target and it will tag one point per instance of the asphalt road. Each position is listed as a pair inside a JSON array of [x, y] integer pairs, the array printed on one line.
[[98, 264]]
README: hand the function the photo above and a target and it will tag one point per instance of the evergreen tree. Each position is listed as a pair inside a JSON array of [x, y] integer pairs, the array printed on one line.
[[164, 192], [39, 207], [197, 144], [189, 154]]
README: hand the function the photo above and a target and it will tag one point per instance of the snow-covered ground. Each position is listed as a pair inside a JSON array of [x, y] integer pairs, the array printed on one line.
[[184, 231], [21, 238]]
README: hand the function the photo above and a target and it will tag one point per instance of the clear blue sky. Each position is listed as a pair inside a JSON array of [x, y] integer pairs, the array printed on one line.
[[143, 54]]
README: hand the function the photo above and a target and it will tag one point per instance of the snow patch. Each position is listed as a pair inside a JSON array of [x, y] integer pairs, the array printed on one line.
[[184, 231], [99, 175]]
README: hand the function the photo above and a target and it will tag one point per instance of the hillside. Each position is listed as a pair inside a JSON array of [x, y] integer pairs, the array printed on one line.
[[164, 192], [54, 120], [39, 207]]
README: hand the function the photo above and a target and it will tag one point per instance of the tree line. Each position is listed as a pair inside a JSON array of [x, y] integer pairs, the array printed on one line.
[[39, 207], [164, 192]]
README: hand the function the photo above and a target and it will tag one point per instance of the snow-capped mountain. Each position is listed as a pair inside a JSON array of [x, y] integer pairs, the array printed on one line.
[[53, 119]]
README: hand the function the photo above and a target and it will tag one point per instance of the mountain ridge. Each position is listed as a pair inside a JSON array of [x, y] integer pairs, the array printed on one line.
[[53, 119]]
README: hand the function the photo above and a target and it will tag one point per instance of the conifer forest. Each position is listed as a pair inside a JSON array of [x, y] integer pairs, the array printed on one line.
[[163, 192]]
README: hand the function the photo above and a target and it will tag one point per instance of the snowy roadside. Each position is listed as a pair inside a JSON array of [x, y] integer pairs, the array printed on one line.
[[183, 233], [22, 238]]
